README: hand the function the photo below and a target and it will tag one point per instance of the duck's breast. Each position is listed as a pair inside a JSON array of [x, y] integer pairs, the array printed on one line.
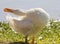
[[21, 26]]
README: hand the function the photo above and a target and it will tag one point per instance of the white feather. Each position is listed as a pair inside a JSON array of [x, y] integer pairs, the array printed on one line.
[[30, 23]]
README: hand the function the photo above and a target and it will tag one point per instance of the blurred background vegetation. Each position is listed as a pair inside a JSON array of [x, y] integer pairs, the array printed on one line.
[[49, 35]]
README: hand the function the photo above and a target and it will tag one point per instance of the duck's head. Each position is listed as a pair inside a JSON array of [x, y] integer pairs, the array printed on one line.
[[16, 12], [7, 10]]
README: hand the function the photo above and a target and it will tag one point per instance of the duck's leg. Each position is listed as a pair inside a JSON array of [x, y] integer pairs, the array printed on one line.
[[26, 39], [33, 39]]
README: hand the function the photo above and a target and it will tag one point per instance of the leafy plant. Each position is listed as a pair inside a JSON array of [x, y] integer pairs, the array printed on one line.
[[49, 35]]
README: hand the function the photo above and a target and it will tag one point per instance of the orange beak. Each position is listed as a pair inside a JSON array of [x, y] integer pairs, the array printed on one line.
[[7, 10]]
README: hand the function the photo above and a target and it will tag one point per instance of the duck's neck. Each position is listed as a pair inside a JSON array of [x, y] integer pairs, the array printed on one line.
[[19, 13]]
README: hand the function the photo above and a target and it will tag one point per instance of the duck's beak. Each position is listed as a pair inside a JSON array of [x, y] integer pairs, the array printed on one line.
[[7, 10]]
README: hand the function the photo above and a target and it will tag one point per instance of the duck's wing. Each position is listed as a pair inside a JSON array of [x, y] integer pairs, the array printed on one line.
[[20, 26]]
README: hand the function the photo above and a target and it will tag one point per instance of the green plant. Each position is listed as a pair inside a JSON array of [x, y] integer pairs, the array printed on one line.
[[49, 34]]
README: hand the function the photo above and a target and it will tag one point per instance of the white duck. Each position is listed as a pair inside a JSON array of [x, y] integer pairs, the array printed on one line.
[[32, 22]]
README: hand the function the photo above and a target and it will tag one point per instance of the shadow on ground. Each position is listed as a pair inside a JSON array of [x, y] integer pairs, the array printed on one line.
[[18, 43]]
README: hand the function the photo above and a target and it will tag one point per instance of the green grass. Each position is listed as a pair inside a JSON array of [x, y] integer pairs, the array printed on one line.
[[49, 34]]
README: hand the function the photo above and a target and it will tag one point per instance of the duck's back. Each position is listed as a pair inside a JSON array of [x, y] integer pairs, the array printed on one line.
[[38, 16]]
